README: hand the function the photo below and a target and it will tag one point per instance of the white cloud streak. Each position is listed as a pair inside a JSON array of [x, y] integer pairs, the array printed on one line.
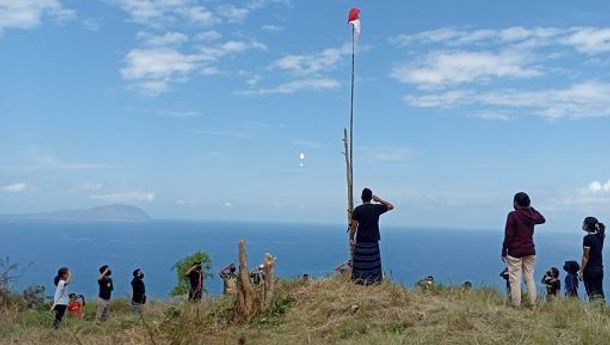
[[29, 14], [307, 84], [582, 100], [15, 187], [458, 67], [122, 197]]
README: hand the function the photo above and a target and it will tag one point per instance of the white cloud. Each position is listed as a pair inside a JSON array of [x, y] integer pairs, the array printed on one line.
[[511, 35], [210, 35], [594, 197], [272, 28], [91, 24], [586, 99], [179, 114], [186, 202], [309, 72], [458, 67], [308, 84], [157, 13], [313, 63], [233, 13], [589, 40], [170, 38], [129, 196], [387, 154], [598, 187], [199, 15], [29, 14], [152, 70], [15, 187]]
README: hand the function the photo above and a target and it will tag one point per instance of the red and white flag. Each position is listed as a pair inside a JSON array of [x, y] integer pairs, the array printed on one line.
[[354, 19]]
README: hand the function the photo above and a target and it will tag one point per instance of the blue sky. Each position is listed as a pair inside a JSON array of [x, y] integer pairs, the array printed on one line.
[[200, 109]]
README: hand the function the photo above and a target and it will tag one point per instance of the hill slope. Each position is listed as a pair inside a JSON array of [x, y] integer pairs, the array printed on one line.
[[334, 311]]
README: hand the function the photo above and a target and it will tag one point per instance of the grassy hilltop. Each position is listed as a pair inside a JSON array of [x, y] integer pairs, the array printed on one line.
[[329, 311]]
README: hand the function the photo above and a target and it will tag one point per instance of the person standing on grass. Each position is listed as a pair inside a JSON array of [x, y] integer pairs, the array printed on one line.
[[61, 299], [229, 280], [138, 298], [592, 268], [518, 250], [364, 238], [571, 280], [195, 276], [106, 286]]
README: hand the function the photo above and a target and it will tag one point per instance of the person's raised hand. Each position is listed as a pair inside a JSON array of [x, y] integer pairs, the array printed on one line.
[[376, 198]]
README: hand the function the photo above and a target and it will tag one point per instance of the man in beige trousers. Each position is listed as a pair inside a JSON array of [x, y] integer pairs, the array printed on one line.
[[519, 251]]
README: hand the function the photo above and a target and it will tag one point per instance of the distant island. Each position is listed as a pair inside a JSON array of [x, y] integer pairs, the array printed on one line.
[[114, 212]]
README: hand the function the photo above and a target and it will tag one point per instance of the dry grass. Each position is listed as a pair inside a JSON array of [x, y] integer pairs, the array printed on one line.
[[330, 311]]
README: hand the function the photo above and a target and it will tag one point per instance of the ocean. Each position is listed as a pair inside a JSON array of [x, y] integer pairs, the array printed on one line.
[[452, 256]]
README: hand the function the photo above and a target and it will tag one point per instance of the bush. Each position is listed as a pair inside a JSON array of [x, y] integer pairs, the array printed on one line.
[[183, 265], [33, 296]]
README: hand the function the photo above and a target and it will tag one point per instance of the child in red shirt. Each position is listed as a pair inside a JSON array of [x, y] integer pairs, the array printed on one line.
[[75, 307]]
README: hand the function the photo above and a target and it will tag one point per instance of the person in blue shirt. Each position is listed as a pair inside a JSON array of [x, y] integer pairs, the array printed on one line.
[[571, 280]]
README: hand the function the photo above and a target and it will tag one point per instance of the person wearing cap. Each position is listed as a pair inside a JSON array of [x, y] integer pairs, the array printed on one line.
[[229, 279], [364, 238], [138, 298], [195, 276], [257, 276]]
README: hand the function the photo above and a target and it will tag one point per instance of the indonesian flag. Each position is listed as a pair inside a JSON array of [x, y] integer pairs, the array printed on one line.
[[354, 19]]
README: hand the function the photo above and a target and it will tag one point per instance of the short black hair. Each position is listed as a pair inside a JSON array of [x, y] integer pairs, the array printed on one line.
[[103, 268], [367, 195], [136, 272], [522, 199], [555, 272]]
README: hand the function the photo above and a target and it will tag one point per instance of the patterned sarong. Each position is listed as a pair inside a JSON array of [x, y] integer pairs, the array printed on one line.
[[367, 264]]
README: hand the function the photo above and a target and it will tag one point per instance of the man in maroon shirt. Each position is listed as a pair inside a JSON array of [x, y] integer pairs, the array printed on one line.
[[518, 250]]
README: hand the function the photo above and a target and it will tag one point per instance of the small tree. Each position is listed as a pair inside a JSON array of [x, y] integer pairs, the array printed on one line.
[[183, 265]]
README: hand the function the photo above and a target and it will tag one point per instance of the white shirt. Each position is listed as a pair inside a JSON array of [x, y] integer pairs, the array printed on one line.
[[61, 294]]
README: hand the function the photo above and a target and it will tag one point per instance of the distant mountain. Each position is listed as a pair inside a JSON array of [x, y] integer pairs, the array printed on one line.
[[115, 212]]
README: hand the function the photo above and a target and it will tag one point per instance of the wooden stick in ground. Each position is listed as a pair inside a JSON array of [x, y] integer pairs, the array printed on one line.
[[350, 187], [269, 282], [246, 296]]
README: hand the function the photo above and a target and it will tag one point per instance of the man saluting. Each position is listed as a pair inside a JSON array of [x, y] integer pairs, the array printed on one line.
[[364, 238]]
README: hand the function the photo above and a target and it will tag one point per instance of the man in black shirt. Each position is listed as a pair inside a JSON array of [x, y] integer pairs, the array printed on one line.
[[195, 276], [138, 298], [105, 283], [364, 238]]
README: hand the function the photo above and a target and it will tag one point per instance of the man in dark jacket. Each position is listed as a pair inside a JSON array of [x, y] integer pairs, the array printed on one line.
[[518, 250], [138, 298]]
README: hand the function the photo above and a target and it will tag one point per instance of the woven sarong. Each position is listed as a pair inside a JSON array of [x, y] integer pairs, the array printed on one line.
[[366, 268]]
